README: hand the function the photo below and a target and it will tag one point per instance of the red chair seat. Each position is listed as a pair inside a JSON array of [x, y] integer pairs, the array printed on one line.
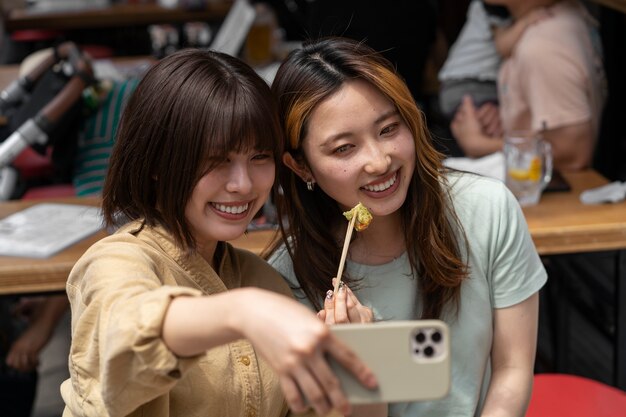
[[559, 395]]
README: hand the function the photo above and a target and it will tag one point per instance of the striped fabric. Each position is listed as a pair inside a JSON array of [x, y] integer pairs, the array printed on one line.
[[97, 138]]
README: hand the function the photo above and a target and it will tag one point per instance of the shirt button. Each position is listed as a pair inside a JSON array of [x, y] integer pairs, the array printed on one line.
[[246, 361]]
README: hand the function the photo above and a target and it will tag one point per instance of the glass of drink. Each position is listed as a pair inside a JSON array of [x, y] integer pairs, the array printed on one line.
[[528, 165]]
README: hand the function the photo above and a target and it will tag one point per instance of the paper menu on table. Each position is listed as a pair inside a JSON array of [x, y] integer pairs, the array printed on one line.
[[44, 229]]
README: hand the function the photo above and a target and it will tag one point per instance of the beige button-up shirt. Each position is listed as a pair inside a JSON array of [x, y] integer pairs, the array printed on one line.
[[119, 366]]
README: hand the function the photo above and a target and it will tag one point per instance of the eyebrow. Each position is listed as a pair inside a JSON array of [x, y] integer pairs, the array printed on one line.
[[381, 118]]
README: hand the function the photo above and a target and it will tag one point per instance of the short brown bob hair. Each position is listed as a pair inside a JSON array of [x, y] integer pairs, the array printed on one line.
[[187, 114]]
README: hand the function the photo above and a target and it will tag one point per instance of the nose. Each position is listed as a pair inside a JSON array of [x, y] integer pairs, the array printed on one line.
[[239, 179], [378, 159]]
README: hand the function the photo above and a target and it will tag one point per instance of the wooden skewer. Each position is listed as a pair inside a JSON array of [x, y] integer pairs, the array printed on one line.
[[344, 252]]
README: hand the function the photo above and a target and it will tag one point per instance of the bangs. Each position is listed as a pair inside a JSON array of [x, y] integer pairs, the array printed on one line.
[[241, 123]]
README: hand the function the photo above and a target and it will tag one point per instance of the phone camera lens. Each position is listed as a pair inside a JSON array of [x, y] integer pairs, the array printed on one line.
[[429, 351], [435, 337], [420, 337]]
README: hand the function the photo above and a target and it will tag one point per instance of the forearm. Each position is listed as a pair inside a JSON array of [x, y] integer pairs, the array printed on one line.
[[572, 146], [50, 312], [194, 325], [509, 392], [480, 145]]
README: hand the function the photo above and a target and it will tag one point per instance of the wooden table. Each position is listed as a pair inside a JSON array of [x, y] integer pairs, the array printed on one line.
[[115, 15], [561, 224]]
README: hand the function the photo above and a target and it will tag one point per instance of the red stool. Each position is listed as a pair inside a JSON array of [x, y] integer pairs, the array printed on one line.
[[560, 395]]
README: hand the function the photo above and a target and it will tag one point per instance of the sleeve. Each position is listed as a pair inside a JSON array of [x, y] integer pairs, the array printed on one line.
[[118, 360], [516, 269], [554, 83]]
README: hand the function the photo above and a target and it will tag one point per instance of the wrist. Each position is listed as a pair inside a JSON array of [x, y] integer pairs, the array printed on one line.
[[240, 315]]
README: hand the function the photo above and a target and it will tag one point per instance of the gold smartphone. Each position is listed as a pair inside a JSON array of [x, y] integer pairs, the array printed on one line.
[[411, 360]]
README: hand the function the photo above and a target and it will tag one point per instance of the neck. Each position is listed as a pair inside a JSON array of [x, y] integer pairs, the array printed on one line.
[[207, 251], [382, 242], [522, 8]]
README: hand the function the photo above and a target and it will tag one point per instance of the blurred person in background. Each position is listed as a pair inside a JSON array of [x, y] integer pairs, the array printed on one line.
[[553, 83]]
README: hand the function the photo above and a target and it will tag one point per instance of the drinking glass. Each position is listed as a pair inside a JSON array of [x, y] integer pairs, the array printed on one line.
[[528, 165]]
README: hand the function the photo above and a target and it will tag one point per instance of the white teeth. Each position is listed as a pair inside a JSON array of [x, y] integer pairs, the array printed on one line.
[[230, 209], [381, 187]]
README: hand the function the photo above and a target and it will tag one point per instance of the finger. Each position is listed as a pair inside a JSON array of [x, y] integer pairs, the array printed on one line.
[[322, 315], [468, 104], [366, 315], [341, 309], [329, 307], [348, 359], [312, 391], [292, 394], [327, 379], [487, 113], [353, 306]]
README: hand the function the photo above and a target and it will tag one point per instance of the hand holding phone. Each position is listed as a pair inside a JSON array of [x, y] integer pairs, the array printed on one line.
[[411, 360]]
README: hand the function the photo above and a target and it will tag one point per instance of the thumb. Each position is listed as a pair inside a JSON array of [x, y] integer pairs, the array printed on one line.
[[468, 105]]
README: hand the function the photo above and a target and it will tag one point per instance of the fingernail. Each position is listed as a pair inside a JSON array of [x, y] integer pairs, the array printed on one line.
[[341, 286], [329, 294]]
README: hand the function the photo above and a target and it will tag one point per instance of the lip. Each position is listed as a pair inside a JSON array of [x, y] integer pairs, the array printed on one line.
[[388, 191], [232, 216]]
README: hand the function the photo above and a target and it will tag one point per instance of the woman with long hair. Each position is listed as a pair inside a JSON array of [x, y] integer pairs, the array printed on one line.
[[442, 244]]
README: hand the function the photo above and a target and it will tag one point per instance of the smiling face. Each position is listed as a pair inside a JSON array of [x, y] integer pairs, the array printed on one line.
[[226, 198], [359, 148]]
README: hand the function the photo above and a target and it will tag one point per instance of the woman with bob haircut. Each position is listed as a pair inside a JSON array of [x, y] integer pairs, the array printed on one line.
[[167, 318], [441, 244]]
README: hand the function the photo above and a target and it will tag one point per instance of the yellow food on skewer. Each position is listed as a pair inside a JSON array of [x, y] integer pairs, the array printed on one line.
[[363, 217], [359, 218]]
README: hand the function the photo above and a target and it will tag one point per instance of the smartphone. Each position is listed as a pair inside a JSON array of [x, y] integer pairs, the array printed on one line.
[[411, 360]]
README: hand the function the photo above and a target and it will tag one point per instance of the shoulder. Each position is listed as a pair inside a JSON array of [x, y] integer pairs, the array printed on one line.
[[556, 35], [476, 189], [481, 203]]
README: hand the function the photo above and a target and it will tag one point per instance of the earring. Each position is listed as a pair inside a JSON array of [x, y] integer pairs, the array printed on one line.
[[310, 185]]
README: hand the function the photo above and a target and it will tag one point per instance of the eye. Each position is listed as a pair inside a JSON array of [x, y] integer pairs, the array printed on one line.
[[389, 129], [342, 149], [262, 156]]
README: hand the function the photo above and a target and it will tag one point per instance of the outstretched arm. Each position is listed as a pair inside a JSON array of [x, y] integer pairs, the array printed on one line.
[[291, 339]]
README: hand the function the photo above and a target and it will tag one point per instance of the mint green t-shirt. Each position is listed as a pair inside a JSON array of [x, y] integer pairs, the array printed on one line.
[[504, 270]]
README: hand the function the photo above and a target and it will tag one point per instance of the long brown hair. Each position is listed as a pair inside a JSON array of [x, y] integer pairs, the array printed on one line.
[[187, 114], [431, 229]]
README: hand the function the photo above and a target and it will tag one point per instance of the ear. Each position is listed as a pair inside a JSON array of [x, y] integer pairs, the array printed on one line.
[[300, 168]]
